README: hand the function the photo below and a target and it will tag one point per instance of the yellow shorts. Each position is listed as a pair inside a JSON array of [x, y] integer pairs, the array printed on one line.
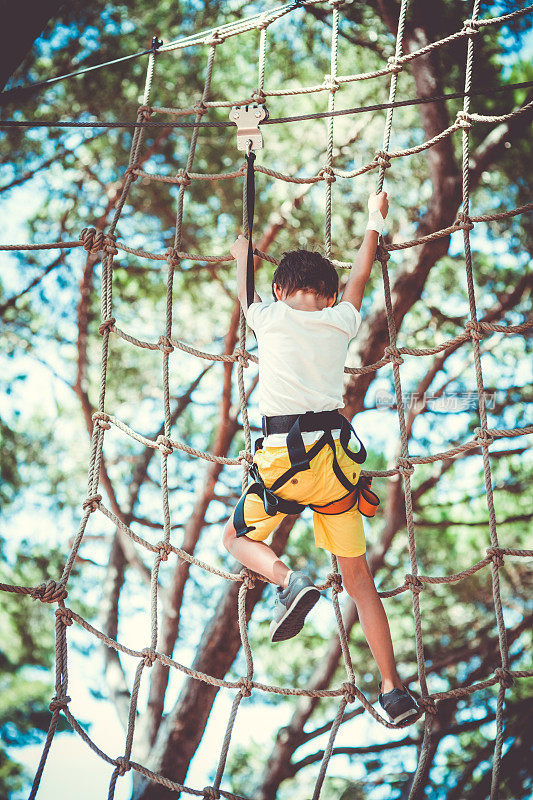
[[340, 534]]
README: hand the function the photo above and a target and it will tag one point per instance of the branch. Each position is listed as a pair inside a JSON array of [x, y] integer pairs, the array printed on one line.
[[428, 523], [10, 302], [496, 142], [62, 150], [407, 741]]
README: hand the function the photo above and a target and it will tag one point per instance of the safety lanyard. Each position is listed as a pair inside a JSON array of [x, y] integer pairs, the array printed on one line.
[[250, 203]]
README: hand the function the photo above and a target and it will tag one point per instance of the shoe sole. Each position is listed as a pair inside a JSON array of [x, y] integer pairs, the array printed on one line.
[[293, 620], [401, 717]]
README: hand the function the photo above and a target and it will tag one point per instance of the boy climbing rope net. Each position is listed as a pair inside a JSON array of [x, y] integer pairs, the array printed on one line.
[[310, 454]]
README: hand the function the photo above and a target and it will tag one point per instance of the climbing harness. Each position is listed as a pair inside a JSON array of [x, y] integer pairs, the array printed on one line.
[[293, 424]]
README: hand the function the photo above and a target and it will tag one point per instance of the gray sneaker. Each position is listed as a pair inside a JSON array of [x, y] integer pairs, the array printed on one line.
[[292, 606], [399, 705]]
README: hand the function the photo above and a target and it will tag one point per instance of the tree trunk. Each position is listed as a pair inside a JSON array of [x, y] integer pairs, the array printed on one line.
[[182, 729]]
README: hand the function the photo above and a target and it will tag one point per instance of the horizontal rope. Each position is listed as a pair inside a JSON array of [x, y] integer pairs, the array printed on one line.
[[195, 39], [167, 443], [489, 91], [457, 226]]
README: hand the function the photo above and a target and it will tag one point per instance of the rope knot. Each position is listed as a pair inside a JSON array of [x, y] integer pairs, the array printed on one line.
[[216, 38], [123, 765], [241, 356], [165, 549], [382, 158], [65, 615], [413, 583], [93, 240], [59, 703], [110, 244], [210, 793], [474, 329], [330, 83], [245, 686], [463, 120], [382, 254], [327, 174], [405, 467], [393, 354], [183, 177], [149, 656], [394, 66], [49, 592], [92, 502], [470, 27], [504, 677], [349, 691], [164, 444], [483, 437], [100, 419], [144, 113], [172, 257], [463, 221], [132, 172], [496, 556], [245, 458], [106, 325], [165, 344], [428, 704], [334, 580], [248, 578], [264, 23], [258, 96]]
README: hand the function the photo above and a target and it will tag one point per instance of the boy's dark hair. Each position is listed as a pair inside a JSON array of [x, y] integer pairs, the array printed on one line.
[[308, 271]]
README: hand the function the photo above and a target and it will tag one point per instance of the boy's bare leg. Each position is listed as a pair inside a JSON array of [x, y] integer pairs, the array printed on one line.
[[257, 556], [359, 584]]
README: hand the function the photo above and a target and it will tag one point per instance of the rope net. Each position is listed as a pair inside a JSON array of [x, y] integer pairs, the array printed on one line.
[[106, 246]]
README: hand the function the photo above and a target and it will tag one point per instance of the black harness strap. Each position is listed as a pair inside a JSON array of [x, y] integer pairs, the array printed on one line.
[[250, 205], [300, 459]]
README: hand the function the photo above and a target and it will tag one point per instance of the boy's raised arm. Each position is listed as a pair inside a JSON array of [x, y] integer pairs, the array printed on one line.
[[378, 206], [239, 251]]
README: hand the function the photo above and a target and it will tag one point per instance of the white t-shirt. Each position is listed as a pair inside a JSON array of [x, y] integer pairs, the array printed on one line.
[[301, 359]]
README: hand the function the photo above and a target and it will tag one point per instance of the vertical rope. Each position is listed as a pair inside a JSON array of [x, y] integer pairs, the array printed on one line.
[[97, 438], [60, 700], [246, 683], [404, 464], [166, 344], [392, 91], [329, 749], [261, 65], [333, 86], [123, 762], [483, 436]]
